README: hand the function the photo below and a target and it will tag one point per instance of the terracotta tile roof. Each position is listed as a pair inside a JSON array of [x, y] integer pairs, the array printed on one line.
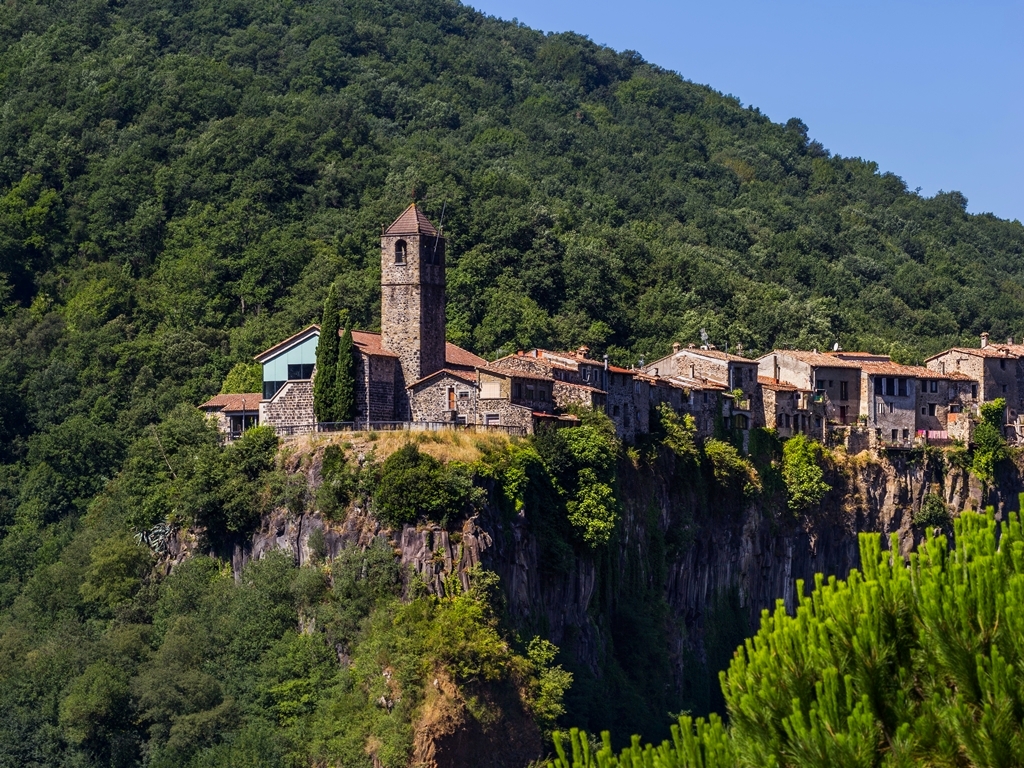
[[1004, 351], [369, 343], [460, 375], [247, 401], [716, 354], [617, 369], [817, 359], [411, 222], [779, 386], [895, 369], [509, 373], [959, 376], [457, 357]]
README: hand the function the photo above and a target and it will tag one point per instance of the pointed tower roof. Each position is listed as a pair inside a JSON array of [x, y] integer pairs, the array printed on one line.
[[411, 222]]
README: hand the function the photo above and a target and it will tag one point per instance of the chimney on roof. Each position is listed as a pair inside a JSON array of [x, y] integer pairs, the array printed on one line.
[[739, 348], [675, 346], [583, 351], [519, 352], [984, 340], [606, 362], [1009, 339]]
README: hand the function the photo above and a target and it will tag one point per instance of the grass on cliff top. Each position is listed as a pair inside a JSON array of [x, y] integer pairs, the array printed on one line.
[[444, 445]]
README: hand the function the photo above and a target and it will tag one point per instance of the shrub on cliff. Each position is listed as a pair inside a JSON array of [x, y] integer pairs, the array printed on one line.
[[801, 469], [731, 471], [414, 484], [989, 444]]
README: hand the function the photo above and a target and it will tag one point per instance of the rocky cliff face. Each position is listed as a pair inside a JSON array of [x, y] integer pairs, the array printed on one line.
[[676, 547]]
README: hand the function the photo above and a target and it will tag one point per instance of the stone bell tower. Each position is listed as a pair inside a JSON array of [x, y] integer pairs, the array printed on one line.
[[412, 307]]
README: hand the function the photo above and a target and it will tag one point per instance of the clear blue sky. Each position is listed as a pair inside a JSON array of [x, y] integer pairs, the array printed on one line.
[[932, 91]]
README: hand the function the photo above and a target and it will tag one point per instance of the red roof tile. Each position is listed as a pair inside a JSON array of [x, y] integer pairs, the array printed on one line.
[[411, 222], [457, 357], [959, 376], [895, 369], [772, 384], [369, 343], [247, 401]]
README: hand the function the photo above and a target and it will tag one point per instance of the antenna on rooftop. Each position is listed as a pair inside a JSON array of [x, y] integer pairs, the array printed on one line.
[[704, 337], [440, 232]]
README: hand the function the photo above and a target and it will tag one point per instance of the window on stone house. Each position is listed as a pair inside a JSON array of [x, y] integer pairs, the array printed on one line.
[[517, 391], [878, 385], [923, 410], [451, 398], [895, 434], [615, 410], [974, 391], [542, 394], [933, 386], [902, 387], [625, 419], [931, 409], [817, 422], [400, 252], [1004, 389], [880, 408], [954, 409], [844, 393], [892, 407], [906, 433]]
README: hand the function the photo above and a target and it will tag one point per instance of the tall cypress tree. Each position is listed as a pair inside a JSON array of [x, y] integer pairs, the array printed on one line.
[[344, 396], [324, 402]]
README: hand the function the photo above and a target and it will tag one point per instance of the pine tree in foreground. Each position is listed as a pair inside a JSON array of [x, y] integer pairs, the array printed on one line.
[[901, 664], [324, 403]]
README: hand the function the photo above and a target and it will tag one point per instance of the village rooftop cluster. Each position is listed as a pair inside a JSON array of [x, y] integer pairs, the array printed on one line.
[[408, 376]]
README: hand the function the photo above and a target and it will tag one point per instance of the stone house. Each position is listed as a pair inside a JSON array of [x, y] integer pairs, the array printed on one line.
[[834, 381], [701, 399], [791, 410], [234, 413], [992, 371], [445, 396], [733, 372], [891, 397]]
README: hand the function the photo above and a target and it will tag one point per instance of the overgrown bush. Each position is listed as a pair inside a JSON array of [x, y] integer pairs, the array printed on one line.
[[414, 485], [801, 469], [581, 463], [933, 512], [989, 444], [339, 483], [678, 431], [731, 471]]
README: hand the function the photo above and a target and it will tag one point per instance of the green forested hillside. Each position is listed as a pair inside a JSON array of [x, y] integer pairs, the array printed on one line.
[[182, 182]]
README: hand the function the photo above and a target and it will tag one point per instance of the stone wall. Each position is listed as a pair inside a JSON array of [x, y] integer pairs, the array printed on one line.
[[430, 400], [567, 395], [413, 310], [291, 408], [509, 414]]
